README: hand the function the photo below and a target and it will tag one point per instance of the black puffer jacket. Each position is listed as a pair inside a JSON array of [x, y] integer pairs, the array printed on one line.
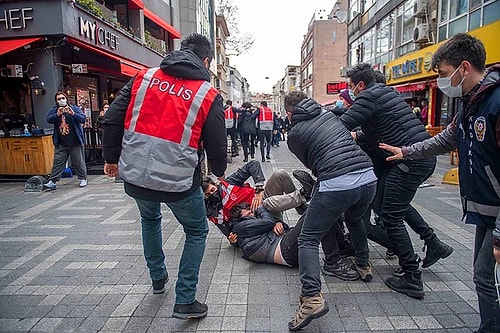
[[322, 143], [385, 117], [182, 64]]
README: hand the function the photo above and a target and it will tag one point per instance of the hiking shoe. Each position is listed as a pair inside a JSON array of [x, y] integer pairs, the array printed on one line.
[[436, 250], [398, 272], [301, 209], [310, 307], [194, 310], [306, 181], [389, 254], [159, 285], [83, 182], [410, 284], [340, 270], [50, 185], [365, 272]]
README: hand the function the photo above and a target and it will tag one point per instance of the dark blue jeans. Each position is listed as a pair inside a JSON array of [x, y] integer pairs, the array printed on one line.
[[395, 190], [324, 209], [484, 279], [265, 138], [191, 214]]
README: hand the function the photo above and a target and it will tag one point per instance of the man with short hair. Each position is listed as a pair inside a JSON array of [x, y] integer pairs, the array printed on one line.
[[475, 132], [152, 138]]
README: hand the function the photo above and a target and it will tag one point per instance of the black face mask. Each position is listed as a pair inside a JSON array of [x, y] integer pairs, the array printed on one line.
[[213, 204]]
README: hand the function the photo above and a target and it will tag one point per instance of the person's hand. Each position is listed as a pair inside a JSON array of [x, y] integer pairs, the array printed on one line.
[[275, 131], [70, 111], [257, 201], [60, 111], [396, 151], [496, 254], [221, 177], [111, 170], [278, 228], [354, 135], [232, 238]]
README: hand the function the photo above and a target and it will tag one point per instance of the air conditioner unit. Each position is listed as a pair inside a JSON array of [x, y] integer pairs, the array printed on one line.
[[419, 8], [420, 33], [343, 71]]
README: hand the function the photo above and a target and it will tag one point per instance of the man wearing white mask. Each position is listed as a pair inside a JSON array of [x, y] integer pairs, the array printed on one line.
[[68, 140], [475, 132], [384, 116]]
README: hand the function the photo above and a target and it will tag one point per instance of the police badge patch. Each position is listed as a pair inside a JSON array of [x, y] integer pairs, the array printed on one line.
[[480, 128]]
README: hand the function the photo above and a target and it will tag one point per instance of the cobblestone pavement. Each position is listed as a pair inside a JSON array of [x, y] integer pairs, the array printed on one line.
[[71, 261]]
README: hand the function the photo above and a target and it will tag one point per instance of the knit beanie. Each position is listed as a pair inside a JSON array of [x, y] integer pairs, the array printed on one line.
[[345, 94]]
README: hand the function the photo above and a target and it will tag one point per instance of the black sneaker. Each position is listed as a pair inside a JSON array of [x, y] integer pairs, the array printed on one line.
[[268, 157], [194, 310], [159, 285], [306, 181], [436, 250], [340, 270]]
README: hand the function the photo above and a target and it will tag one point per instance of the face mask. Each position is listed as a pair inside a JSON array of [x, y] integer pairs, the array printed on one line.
[[444, 84], [339, 104], [62, 102], [352, 92]]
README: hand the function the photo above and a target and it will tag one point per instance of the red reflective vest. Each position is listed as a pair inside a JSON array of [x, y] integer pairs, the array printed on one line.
[[163, 126], [229, 117], [231, 196], [266, 118]]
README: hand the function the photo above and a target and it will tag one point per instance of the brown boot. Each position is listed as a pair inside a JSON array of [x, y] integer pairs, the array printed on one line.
[[311, 307]]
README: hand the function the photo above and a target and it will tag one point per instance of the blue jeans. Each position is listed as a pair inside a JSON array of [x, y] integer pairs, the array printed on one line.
[[484, 279], [324, 210], [191, 214]]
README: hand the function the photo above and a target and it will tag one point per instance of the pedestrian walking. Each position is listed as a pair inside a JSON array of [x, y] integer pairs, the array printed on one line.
[[68, 140], [152, 135], [265, 126], [475, 132]]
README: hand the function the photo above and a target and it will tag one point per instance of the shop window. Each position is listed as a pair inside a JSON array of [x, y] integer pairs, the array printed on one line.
[[458, 7], [474, 3], [475, 20], [457, 26], [491, 12], [443, 16], [442, 33]]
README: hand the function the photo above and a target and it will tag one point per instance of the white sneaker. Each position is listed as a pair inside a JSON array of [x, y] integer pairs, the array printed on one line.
[[50, 185], [83, 182]]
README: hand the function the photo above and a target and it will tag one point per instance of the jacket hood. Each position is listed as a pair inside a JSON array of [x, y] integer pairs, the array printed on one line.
[[304, 110], [492, 75], [184, 64]]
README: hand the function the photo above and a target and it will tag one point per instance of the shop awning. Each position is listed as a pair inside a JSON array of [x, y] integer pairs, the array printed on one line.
[[417, 86], [156, 19], [12, 44], [127, 67], [135, 4]]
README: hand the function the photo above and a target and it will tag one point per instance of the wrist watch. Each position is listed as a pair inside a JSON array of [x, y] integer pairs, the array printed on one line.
[[258, 190]]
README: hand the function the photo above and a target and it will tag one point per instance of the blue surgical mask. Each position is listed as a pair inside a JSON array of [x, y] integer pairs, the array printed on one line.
[[444, 84], [339, 104]]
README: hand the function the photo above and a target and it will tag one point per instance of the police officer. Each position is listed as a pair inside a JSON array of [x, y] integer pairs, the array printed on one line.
[[153, 136]]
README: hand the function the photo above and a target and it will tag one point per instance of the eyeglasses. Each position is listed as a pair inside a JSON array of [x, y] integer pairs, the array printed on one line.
[[61, 98]]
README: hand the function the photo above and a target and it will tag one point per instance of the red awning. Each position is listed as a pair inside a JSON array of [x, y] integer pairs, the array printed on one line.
[[411, 87], [12, 44], [156, 19], [126, 66], [135, 4]]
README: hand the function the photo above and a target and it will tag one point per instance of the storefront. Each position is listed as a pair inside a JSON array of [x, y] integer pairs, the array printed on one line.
[[414, 78], [47, 46]]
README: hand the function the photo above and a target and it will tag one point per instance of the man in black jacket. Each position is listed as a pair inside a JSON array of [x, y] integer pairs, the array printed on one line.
[[152, 135], [385, 117], [345, 184]]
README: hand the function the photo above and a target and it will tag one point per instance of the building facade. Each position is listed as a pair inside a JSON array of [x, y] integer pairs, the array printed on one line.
[[323, 53], [221, 34], [400, 37], [87, 49]]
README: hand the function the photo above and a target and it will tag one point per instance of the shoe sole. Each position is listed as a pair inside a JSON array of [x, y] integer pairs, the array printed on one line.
[[306, 321], [49, 188], [446, 254], [303, 177], [186, 316], [410, 292], [159, 291], [344, 278]]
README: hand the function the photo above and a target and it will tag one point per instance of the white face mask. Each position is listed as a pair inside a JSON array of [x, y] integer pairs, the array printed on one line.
[[444, 84], [62, 102]]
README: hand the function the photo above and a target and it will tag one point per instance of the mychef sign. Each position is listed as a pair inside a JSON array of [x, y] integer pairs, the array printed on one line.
[[97, 34], [409, 67], [16, 18]]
